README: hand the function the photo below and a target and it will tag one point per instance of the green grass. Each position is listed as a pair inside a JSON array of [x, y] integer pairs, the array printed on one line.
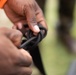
[[56, 59]]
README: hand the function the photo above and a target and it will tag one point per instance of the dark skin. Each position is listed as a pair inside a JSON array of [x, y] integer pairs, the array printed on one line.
[[13, 61], [22, 12]]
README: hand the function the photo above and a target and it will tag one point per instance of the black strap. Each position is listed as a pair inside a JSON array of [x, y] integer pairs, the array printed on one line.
[[31, 40]]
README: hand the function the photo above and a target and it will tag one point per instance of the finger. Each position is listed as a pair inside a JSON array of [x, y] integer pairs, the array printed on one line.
[[40, 17], [14, 27], [22, 71], [14, 17], [14, 35], [31, 19], [26, 71], [25, 58], [19, 25], [14, 56], [20, 58]]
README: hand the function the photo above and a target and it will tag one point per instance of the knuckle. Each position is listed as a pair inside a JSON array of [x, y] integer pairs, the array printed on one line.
[[29, 60], [18, 33], [26, 6], [33, 20], [16, 36], [24, 60]]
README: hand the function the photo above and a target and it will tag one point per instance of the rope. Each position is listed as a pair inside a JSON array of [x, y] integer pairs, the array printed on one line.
[[31, 40]]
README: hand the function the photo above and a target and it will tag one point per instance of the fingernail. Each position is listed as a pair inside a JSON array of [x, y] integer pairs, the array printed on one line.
[[19, 25], [36, 28]]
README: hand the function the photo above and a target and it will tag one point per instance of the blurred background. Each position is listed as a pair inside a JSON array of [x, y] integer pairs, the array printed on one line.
[[55, 55]]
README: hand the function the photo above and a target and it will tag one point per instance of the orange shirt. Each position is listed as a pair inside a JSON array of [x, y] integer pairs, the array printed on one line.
[[2, 2]]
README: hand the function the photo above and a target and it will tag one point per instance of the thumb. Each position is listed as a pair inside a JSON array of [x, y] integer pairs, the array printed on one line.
[[31, 19], [27, 56]]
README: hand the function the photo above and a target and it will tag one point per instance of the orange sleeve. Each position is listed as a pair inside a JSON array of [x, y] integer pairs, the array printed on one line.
[[2, 2]]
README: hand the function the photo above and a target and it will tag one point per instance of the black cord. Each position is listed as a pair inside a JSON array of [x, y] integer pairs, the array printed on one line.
[[32, 40]]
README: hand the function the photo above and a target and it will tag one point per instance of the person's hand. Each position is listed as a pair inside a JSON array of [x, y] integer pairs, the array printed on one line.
[[14, 35], [13, 61], [22, 12]]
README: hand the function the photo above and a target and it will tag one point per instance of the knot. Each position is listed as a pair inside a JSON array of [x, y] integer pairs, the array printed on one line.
[[31, 40]]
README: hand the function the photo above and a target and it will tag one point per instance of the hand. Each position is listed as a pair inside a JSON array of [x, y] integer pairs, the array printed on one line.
[[14, 35], [22, 12], [13, 61]]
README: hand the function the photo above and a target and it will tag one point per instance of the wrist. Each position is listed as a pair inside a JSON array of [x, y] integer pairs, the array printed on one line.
[[2, 3]]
